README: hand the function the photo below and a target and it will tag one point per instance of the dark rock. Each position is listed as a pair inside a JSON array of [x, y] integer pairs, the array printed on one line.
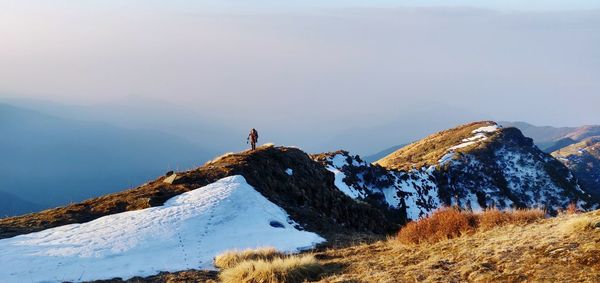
[[276, 224]]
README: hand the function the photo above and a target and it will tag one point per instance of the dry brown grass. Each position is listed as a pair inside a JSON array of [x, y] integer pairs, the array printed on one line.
[[430, 149], [232, 258], [577, 224], [292, 268], [561, 249], [447, 223], [572, 209], [492, 218]]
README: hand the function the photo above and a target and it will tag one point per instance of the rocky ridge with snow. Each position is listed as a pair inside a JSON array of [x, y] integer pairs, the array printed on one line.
[[485, 166]]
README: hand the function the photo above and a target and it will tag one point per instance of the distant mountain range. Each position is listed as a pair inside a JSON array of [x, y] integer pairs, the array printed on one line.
[[50, 161], [549, 138], [13, 205], [379, 155]]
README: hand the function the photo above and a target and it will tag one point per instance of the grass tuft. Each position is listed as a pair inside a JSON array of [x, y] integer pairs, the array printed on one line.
[[447, 223], [232, 258], [578, 225], [292, 269], [492, 218], [443, 224]]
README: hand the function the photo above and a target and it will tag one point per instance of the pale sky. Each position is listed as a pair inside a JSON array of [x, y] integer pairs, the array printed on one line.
[[311, 64]]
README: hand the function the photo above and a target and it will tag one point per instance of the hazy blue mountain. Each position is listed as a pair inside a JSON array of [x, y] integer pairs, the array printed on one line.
[[54, 161], [379, 155], [136, 113], [550, 139], [540, 133], [13, 205]]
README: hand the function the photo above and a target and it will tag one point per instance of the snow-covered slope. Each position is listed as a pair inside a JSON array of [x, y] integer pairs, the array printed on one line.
[[185, 233]]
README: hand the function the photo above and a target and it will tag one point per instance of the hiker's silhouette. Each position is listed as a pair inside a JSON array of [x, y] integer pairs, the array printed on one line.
[[252, 138]]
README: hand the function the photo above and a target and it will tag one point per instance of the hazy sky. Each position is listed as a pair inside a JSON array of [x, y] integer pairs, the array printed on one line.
[[311, 64]]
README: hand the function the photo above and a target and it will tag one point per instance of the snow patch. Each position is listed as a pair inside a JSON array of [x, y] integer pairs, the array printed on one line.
[[338, 162], [289, 171], [465, 144], [343, 187], [487, 129], [185, 233], [446, 158], [480, 135]]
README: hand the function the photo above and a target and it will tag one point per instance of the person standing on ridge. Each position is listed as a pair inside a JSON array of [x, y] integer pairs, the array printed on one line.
[[253, 138]]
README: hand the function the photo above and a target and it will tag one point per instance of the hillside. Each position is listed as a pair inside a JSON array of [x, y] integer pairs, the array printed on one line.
[[479, 165], [307, 195], [430, 150], [584, 132], [583, 158], [562, 249]]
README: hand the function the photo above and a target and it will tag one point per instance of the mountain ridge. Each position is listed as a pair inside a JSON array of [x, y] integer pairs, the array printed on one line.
[[272, 160], [482, 164], [394, 193], [333, 196]]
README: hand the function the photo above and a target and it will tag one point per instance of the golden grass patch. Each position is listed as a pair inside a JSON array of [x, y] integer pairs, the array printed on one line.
[[267, 265], [449, 222], [292, 269], [577, 224], [232, 258]]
